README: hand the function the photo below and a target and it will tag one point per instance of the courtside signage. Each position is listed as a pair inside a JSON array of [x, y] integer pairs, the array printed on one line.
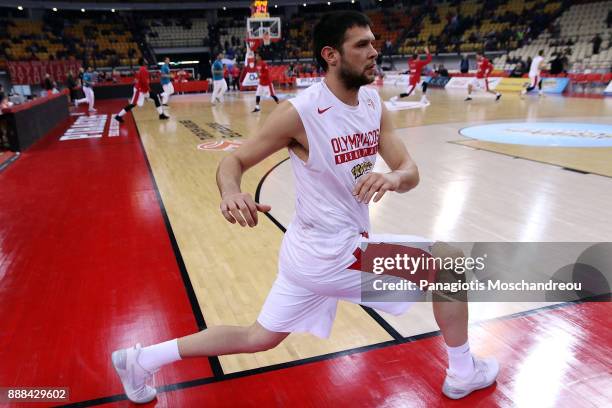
[[306, 82], [551, 134]]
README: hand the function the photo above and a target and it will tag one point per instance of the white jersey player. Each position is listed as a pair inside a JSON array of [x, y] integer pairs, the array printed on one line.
[[333, 131], [535, 74]]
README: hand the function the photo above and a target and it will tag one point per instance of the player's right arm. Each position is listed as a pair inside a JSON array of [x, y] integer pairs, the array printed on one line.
[[278, 131], [542, 65], [428, 56]]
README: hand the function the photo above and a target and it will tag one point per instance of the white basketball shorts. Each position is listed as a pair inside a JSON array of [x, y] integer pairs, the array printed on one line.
[[297, 304]]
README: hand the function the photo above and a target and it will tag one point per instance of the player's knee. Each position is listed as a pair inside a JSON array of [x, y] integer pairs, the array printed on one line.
[[444, 250], [451, 275]]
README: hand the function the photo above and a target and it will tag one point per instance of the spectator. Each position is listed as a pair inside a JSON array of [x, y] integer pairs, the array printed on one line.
[[116, 76], [47, 85], [235, 77], [464, 65], [518, 70], [71, 84], [3, 99], [556, 65], [596, 43], [226, 75], [442, 71]]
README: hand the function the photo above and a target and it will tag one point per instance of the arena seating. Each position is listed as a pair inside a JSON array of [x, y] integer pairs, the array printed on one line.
[[232, 32], [471, 25], [104, 43], [177, 35], [576, 29]]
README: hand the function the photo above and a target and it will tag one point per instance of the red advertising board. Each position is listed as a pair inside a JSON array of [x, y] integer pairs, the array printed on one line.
[[33, 72]]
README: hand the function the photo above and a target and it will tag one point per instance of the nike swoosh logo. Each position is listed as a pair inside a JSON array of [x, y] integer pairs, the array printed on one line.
[[323, 110]]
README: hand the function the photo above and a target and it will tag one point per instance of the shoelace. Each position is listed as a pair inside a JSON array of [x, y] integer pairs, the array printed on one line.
[[138, 388]]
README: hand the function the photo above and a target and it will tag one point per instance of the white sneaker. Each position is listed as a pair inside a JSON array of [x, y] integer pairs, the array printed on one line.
[[393, 100], [93, 110], [485, 373], [132, 375], [424, 101]]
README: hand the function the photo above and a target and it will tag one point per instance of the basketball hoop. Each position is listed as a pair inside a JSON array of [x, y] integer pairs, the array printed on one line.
[[266, 30]]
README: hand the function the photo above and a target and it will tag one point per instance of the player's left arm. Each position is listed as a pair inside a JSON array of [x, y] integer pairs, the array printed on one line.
[[404, 175]]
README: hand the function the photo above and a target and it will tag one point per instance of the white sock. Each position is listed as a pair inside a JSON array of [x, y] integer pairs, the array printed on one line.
[[123, 112], [157, 355], [460, 362], [256, 106], [160, 110]]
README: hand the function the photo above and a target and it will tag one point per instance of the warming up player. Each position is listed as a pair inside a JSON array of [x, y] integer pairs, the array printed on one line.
[[219, 84], [333, 132], [482, 77], [415, 66], [535, 72], [141, 91], [166, 82], [87, 83], [265, 87]]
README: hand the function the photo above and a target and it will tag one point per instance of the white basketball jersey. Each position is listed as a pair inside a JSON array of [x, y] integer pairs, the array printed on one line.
[[342, 146], [535, 63]]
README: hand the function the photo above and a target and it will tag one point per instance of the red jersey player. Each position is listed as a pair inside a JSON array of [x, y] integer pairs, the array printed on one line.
[[265, 87], [415, 67], [482, 77], [141, 91]]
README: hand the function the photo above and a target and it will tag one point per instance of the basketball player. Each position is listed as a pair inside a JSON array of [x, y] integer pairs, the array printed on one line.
[[142, 91], [482, 77], [87, 84], [535, 72], [219, 84], [166, 82], [415, 67], [265, 87], [316, 263]]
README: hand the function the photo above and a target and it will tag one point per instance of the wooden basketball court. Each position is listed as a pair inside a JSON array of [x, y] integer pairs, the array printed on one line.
[[465, 194]]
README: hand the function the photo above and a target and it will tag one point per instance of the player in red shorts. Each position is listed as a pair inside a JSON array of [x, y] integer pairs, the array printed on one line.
[[265, 87], [482, 77], [141, 91], [415, 67]]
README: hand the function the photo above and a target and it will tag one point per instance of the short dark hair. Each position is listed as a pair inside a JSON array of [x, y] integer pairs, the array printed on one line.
[[141, 61], [541, 52], [330, 31]]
